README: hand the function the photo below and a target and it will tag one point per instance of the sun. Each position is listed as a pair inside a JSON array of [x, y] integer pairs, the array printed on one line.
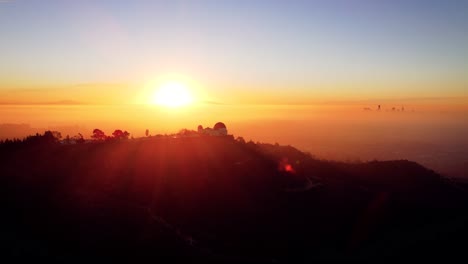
[[172, 94]]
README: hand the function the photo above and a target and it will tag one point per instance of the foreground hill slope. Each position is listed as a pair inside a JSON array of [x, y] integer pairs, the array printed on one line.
[[217, 199]]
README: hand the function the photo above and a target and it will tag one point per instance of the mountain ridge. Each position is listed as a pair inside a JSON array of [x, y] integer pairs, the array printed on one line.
[[222, 200]]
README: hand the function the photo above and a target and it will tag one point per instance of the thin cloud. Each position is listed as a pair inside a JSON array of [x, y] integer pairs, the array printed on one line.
[[60, 102], [212, 103]]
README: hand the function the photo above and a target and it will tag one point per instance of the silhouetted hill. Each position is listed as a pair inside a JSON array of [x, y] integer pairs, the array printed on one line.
[[217, 199]]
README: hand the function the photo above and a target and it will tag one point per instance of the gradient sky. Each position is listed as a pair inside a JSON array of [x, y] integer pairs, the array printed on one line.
[[233, 51]]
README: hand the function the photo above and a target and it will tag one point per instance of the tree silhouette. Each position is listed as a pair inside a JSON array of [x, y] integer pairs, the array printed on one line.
[[51, 136], [67, 139], [78, 138], [240, 140], [147, 132], [98, 134], [119, 134]]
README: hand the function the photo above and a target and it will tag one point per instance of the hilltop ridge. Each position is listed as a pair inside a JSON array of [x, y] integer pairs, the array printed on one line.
[[223, 200]]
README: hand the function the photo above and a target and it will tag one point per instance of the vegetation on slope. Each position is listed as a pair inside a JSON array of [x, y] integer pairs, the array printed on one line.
[[222, 200]]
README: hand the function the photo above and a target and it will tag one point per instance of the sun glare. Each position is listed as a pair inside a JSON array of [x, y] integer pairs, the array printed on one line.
[[172, 94]]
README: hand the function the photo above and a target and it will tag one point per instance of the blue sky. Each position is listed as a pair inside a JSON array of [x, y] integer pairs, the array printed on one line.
[[362, 48]]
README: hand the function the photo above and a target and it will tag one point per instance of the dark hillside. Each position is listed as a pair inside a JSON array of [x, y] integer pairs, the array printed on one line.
[[217, 199]]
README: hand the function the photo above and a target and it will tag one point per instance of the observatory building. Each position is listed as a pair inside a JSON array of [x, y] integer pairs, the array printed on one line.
[[219, 129]]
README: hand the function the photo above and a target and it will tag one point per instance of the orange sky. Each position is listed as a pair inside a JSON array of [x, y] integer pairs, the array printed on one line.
[[241, 60]]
